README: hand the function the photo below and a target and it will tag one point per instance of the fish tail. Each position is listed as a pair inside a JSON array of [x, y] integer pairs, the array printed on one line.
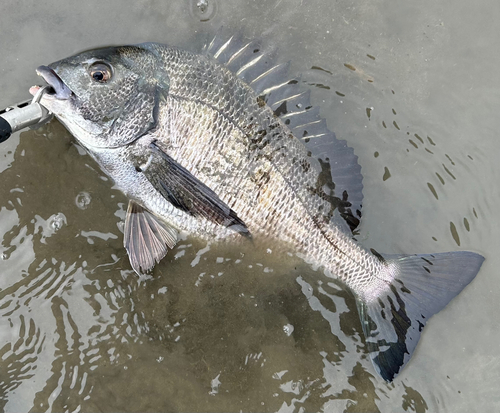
[[421, 286]]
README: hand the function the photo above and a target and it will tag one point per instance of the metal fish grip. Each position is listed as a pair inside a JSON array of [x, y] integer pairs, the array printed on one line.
[[29, 113]]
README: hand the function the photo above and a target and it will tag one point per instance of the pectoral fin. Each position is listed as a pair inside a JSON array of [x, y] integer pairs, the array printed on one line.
[[146, 238], [188, 193]]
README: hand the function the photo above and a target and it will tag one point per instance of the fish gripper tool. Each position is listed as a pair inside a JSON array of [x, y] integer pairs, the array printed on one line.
[[29, 113]]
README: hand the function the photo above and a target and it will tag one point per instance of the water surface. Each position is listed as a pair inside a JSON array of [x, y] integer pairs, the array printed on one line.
[[412, 88]]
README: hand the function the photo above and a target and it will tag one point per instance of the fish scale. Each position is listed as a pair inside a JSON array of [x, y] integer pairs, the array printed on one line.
[[196, 149], [206, 101]]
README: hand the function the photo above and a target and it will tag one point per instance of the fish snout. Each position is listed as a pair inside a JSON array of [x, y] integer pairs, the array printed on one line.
[[58, 88]]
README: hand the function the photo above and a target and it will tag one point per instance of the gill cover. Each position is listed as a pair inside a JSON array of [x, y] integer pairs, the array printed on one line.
[[116, 94]]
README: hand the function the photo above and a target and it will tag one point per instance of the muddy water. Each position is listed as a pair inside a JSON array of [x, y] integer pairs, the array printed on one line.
[[414, 91]]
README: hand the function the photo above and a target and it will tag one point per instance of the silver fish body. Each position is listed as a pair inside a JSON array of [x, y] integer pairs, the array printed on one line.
[[196, 148], [222, 133]]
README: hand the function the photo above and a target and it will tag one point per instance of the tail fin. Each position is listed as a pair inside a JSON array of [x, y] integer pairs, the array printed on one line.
[[423, 285]]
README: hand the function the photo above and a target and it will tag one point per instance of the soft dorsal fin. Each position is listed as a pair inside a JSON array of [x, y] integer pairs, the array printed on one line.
[[289, 101]]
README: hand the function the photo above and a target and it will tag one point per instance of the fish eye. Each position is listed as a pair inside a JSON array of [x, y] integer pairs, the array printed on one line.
[[100, 72]]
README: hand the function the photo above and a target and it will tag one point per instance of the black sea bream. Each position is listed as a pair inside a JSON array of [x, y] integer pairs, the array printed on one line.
[[213, 144]]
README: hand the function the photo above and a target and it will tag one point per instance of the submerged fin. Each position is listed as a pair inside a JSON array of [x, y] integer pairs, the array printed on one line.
[[257, 66], [423, 285], [187, 193], [146, 238]]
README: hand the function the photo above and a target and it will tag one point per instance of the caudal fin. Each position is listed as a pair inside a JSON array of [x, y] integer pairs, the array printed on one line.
[[423, 285]]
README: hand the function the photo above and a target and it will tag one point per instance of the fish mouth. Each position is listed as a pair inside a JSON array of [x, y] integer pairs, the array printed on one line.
[[57, 88]]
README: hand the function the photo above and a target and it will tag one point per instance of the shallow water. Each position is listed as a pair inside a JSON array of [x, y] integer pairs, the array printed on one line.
[[224, 329]]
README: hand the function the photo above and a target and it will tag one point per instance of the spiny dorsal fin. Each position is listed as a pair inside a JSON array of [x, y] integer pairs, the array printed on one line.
[[258, 68]]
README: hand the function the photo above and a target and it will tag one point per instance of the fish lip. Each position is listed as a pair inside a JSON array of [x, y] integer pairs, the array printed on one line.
[[60, 90]]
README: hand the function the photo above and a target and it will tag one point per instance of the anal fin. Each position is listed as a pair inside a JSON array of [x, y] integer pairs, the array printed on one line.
[[146, 238]]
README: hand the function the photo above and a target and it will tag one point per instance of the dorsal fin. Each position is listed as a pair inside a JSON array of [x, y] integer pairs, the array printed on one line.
[[270, 80]]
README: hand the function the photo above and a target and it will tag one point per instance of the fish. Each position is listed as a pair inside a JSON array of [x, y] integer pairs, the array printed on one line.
[[224, 145]]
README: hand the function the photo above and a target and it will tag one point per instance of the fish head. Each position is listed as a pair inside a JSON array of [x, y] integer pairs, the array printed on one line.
[[106, 97]]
